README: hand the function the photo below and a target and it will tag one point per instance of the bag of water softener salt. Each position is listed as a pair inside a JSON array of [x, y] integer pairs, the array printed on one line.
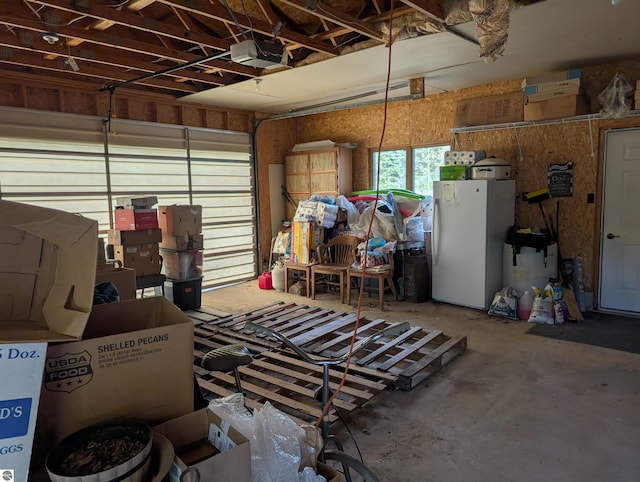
[[505, 303], [542, 309]]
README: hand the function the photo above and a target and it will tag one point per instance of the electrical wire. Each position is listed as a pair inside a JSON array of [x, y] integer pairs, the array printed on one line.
[[353, 438], [369, 229]]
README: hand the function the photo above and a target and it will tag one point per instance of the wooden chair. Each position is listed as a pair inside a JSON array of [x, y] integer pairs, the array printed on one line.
[[380, 273], [334, 258]]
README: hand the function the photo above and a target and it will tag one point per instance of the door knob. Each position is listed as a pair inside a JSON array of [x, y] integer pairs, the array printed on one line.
[[611, 236]]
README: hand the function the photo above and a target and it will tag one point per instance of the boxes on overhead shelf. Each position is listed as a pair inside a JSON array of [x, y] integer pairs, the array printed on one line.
[[554, 94], [47, 273], [142, 236], [182, 242], [182, 265], [143, 258], [547, 87], [494, 109], [180, 219], [552, 77], [135, 219], [556, 108]]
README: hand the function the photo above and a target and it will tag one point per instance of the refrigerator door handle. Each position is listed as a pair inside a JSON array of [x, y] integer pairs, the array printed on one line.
[[434, 231]]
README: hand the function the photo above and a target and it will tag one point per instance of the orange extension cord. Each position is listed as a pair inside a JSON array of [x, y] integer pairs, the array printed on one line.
[[375, 207]]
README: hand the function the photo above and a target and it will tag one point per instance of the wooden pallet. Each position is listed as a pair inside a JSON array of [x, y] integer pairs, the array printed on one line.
[[280, 377], [289, 384]]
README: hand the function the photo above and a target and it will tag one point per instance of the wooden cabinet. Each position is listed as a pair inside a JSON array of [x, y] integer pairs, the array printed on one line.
[[322, 171]]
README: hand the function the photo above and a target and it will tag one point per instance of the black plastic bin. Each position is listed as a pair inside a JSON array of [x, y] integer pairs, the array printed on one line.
[[185, 294]]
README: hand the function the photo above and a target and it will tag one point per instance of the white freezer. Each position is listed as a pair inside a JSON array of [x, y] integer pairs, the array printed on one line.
[[470, 224]]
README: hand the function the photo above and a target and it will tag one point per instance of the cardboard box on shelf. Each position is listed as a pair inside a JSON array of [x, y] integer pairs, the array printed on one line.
[[182, 242], [143, 258], [203, 440], [556, 108], [123, 278], [552, 77], [141, 236], [21, 367], [136, 202], [494, 109], [135, 219], [180, 219], [135, 360], [182, 265], [554, 94], [47, 273], [551, 86]]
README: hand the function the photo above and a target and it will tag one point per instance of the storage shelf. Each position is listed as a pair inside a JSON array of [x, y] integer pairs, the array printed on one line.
[[516, 125]]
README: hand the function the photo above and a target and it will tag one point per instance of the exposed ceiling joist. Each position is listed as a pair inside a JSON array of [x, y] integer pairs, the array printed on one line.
[[430, 8]]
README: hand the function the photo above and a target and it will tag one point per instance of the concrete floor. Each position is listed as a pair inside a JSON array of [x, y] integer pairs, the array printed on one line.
[[513, 407]]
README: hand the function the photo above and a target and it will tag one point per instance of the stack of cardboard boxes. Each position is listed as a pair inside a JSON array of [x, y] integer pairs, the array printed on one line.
[[181, 249], [554, 95], [68, 364], [124, 279], [136, 236]]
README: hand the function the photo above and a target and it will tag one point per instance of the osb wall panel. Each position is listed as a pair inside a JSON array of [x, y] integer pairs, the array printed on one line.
[[77, 102], [42, 98], [11, 94], [58, 95], [530, 150]]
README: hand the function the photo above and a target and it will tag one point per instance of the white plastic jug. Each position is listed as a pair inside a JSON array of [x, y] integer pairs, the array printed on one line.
[[525, 303]]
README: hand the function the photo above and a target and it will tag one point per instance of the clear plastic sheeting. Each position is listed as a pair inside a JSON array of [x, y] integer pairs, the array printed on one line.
[[281, 450], [616, 97], [492, 25]]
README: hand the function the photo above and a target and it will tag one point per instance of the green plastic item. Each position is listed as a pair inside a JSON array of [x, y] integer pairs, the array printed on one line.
[[396, 192]]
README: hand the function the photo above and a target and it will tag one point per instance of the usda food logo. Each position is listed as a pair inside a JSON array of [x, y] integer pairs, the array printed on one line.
[[7, 475]]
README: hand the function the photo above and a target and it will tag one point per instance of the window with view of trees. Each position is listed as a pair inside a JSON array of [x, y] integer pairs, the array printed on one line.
[[409, 168]]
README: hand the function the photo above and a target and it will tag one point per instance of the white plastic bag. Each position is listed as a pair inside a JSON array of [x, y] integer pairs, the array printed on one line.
[[505, 303]]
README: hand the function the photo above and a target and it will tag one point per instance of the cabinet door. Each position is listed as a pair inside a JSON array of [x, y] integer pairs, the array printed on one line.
[[324, 161], [324, 173], [297, 163]]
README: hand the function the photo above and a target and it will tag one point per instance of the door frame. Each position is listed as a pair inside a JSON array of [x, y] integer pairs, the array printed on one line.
[[605, 126]]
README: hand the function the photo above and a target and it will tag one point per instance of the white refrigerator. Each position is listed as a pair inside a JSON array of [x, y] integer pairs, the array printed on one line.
[[470, 224]]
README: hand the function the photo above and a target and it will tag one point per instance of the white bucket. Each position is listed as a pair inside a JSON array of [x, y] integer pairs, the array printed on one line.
[[530, 268]]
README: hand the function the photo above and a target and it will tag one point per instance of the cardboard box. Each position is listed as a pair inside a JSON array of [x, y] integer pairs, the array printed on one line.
[[143, 236], [551, 86], [190, 436], [553, 94], [102, 254], [21, 367], [143, 258], [556, 108], [495, 109], [47, 273], [304, 239], [552, 77], [135, 219], [180, 219], [182, 265], [123, 278], [182, 242], [135, 360], [136, 202], [453, 173]]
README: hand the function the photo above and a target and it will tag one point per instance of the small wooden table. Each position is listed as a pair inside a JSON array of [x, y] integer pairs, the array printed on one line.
[[289, 265]]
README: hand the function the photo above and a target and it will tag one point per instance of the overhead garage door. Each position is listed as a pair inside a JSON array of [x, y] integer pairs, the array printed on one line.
[[78, 164]]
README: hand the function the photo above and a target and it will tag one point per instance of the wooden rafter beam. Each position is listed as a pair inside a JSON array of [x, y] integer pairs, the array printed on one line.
[[22, 59], [268, 12], [71, 34], [104, 57], [219, 13], [337, 17], [134, 21], [430, 8]]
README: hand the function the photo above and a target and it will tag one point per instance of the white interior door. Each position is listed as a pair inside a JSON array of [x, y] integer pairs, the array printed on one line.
[[620, 243]]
